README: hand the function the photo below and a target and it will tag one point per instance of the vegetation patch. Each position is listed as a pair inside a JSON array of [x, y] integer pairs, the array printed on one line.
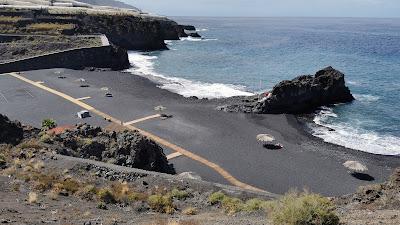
[[179, 194], [161, 203], [49, 27], [48, 124], [10, 19], [302, 208]]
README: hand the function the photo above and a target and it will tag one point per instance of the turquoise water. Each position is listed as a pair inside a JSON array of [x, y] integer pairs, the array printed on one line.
[[240, 56]]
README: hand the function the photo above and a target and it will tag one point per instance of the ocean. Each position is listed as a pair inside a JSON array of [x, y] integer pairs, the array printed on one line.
[[243, 56]]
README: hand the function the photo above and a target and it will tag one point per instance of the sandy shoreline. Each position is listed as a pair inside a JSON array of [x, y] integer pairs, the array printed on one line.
[[227, 139]]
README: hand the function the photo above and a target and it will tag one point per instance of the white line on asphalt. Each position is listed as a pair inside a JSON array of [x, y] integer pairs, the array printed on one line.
[[174, 155], [142, 119], [83, 98], [39, 82]]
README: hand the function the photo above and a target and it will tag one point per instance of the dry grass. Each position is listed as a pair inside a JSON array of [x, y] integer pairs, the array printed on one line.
[[179, 194], [233, 205], [46, 27], [302, 208], [190, 211], [161, 203], [10, 19], [32, 197], [30, 144], [173, 222]]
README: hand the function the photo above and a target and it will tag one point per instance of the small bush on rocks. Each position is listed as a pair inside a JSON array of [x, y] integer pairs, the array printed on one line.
[[255, 204], [232, 205], [45, 138], [190, 211], [302, 208], [106, 196], [216, 198], [161, 203], [48, 124], [179, 194]]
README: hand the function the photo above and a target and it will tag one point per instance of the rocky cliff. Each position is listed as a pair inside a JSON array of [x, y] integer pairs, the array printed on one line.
[[127, 29]]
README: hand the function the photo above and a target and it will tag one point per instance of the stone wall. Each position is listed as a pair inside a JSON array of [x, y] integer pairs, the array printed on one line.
[[100, 57]]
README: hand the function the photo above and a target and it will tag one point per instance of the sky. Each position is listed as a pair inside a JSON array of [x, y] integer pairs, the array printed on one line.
[[257, 8]]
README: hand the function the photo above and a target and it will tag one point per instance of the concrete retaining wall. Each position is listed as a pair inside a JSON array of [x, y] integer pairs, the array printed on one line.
[[99, 57]]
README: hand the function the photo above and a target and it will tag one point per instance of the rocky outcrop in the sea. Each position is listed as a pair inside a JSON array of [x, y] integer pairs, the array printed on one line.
[[11, 132], [300, 95], [195, 35], [188, 27], [128, 148]]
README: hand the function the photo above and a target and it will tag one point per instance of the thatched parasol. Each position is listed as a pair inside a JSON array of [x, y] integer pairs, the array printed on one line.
[[355, 166], [265, 138]]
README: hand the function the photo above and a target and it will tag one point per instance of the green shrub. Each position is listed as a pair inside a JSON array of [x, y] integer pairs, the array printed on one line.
[[48, 124], [106, 196], [302, 209], [161, 203], [255, 204], [179, 194], [232, 205], [45, 138], [216, 197]]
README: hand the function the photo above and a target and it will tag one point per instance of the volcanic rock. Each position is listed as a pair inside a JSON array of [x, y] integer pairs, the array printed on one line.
[[11, 132], [306, 93], [128, 148]]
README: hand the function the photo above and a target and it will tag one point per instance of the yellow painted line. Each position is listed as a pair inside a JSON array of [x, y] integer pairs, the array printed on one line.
[[173, 155], [225, 174], [83, 98], [142, 119]]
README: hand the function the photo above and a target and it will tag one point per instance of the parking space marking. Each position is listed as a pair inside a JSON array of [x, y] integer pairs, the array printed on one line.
[[39, 82], [173, 155], [142, 119], [4, 97], [30, 94], [83, 98]]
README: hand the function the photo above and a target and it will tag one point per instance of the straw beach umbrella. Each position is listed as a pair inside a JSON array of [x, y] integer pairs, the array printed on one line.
[[265, 138], [355, 166]]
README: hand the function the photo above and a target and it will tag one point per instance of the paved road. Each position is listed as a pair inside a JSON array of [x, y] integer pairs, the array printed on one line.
[[228, 140]]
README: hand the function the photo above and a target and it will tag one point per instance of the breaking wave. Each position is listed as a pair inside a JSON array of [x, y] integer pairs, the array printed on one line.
[[347, 135], [143, 65]]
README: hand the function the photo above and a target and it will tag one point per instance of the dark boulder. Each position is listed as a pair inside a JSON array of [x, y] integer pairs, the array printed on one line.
[[305, 93], [127, 148], [188, 27], [11, 132], [195, 35]]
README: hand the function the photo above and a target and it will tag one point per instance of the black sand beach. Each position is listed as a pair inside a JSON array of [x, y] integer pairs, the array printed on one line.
[[227, 139]]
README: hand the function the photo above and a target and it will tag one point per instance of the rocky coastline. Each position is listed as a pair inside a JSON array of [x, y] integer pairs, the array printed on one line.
[[125, 30]]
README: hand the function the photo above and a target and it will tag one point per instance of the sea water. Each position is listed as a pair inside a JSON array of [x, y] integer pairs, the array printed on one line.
[[243, 56]]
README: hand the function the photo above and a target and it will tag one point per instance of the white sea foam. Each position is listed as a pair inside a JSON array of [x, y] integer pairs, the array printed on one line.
[[198, 39], [143, 65], [366, 98], [355, 83], [355, 138]]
